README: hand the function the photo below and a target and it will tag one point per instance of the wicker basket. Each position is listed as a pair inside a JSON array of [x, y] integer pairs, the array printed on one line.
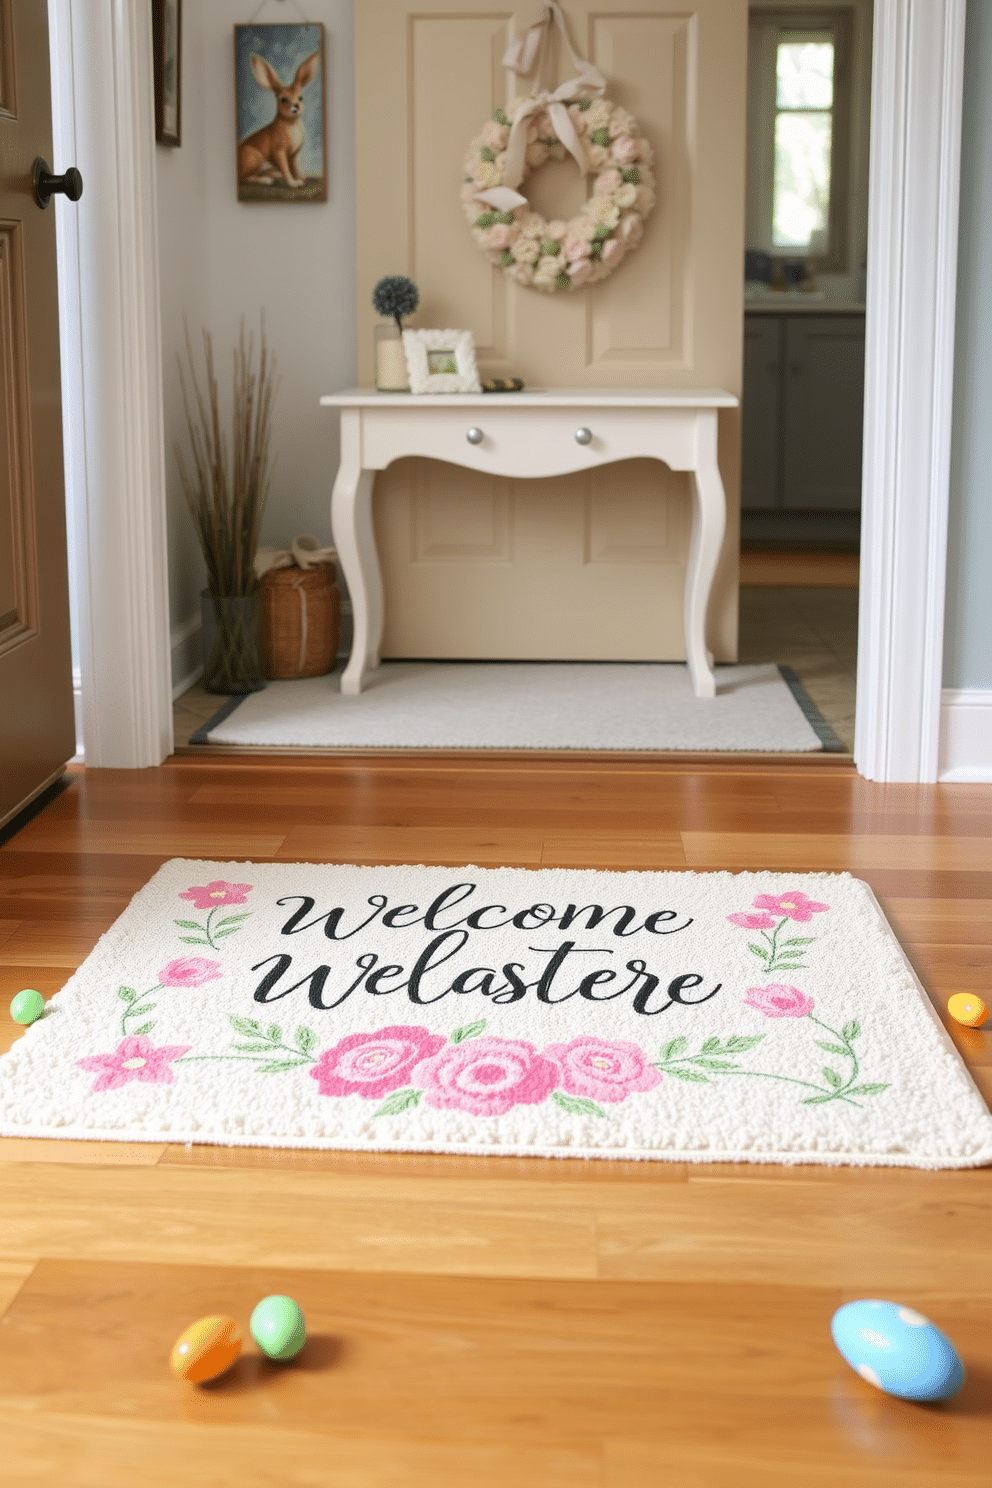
[[301, 617]]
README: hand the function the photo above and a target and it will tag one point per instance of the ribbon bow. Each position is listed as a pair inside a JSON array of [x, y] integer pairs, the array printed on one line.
[[526, 53]]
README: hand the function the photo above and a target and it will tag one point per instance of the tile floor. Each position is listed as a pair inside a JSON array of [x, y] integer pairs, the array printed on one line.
[[812, 628]]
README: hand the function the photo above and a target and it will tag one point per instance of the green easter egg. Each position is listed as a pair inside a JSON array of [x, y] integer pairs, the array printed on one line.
[[27, 1006], [278, 1327]]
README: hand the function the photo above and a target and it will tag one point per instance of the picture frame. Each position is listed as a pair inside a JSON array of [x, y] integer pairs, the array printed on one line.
[[167, 53], [280, 113], [441, 362]]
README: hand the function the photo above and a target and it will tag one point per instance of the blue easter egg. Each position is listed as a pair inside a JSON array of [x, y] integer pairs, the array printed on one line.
[[898, 1350]]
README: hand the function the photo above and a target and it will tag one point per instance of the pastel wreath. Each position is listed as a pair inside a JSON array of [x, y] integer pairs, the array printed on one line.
[[560, 256]]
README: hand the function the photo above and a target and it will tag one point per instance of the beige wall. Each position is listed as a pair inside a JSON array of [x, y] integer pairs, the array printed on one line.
[[611, 552]]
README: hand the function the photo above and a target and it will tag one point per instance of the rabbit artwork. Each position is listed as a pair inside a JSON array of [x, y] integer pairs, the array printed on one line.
[[271, 154]]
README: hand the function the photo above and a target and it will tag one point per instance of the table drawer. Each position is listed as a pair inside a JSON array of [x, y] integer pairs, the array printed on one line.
[[528, 441]]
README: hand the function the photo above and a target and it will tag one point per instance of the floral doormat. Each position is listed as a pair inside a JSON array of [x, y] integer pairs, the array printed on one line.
[[690, 1017]]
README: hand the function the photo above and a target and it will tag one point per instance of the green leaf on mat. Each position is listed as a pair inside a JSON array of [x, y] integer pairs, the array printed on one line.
[[277, 1069], [717, 1064], [126, 994], [194, 940], [739, 1043], [305, 1040], [576, 1105], [145, 1028], [274, 1033], [832, 1077], [866, 1090], [710, 1047], [399, 1100], [248, 1026], [758, 950], [851, 1030], [673, 1047], [468, 1031], [685, 1074], [252, 1048], [188, 924], [832, 1048]]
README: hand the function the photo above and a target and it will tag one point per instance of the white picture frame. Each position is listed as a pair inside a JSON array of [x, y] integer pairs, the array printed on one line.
[[441, 362]]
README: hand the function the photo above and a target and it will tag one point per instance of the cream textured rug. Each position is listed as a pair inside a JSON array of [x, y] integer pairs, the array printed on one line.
[[683, 1016], [530, 705]]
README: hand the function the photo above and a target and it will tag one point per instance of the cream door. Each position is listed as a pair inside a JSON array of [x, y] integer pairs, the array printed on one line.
[[588, 566], [37, 732]]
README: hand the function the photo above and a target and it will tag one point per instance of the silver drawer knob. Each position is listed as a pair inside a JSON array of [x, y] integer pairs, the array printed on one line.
[[583, 436], [474, 436]]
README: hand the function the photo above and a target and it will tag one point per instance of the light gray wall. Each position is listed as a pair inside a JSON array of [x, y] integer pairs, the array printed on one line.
[[222, 261], [968, 625]]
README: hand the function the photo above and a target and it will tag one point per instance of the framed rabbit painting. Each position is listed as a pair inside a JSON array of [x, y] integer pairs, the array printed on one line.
[[279, 100]]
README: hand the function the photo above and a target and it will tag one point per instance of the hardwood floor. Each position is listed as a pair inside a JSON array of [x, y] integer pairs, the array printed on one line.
[[486, 1321]]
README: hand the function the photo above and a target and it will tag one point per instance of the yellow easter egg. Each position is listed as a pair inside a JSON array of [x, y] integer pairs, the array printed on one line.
[[968, 1009], [205, 1349]]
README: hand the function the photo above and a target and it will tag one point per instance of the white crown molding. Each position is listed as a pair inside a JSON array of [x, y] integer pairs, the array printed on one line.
[[966, 734], [917, 73], [112, 378]]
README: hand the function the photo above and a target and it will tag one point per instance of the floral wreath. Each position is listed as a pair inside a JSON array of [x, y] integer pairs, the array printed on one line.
[[604, 140]]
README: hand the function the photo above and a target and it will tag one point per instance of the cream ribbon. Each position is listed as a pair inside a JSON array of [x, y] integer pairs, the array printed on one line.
[[531, 53], [303, 553]]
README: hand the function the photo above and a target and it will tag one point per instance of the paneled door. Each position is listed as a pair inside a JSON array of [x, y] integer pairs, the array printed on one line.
[[588, 566], [37, 733]]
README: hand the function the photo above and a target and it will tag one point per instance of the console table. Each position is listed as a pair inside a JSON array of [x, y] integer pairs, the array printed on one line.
[[539, 432]]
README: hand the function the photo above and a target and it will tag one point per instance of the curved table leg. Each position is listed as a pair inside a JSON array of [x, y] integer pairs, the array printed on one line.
[[709, 520], [351, 523]]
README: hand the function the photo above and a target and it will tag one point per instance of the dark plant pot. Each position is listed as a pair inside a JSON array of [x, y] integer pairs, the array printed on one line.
[[232, 653]]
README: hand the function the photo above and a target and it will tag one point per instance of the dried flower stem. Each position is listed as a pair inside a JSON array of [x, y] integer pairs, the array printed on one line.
[[227, 512]]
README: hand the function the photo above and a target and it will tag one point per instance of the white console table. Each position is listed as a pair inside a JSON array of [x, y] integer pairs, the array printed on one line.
[[539, 432]]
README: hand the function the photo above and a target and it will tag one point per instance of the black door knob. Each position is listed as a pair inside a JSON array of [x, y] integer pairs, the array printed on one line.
[[46, 185]]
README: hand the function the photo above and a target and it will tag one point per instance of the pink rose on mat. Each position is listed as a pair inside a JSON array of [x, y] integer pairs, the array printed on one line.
[[217, 893], [605, 1069], [751, 921], [779, 1001], [370, 1064], [487, 1076], [794, 904], [134, 1059], [189, 971]]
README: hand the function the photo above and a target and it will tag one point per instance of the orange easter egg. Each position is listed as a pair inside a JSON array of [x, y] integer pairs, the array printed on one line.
[[968, 1009], [205, 1349]]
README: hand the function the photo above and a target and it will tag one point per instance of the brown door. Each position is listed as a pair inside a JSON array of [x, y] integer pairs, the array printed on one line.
[[37, 733]]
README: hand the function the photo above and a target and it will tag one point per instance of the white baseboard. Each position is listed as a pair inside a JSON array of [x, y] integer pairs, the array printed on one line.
[[187, 655], [77, 707], [965, 734]]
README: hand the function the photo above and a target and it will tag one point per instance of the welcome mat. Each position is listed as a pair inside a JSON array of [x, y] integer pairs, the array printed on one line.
[[530, 705], [680, 1016]]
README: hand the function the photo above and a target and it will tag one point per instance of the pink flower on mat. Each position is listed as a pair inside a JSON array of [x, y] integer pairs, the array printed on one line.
[[134, 1059], [189, 971], [779, 1001], [370, 1064], [487, 1076], [605, 1069], [752, 921], [794, 904], [213, 895]]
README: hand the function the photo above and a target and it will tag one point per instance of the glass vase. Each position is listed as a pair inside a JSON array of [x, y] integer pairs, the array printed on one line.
[[232, 652], [391, 375]]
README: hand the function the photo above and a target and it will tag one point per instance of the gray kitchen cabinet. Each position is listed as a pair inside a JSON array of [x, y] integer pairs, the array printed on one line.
[[802, 418]]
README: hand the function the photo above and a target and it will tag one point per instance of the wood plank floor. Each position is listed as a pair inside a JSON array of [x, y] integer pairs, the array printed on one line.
[[485, 1321]]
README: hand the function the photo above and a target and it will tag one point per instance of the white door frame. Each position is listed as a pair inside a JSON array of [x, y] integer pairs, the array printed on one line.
[[112, 381], [914, 176]]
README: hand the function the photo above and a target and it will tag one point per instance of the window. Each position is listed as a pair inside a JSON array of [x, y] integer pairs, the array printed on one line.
[[798, 131]]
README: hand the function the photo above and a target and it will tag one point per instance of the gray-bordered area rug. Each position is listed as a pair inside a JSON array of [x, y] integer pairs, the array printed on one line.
[[531, 705]]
